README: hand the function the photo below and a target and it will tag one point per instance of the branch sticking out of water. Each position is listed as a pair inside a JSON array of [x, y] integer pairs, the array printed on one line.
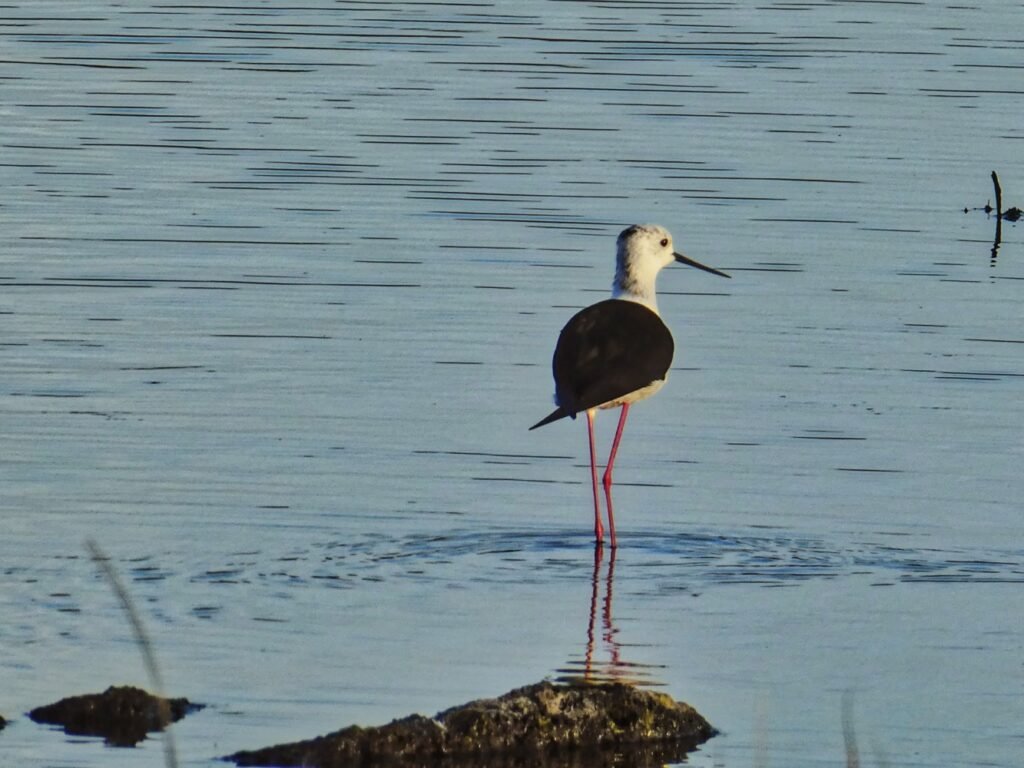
[[143, 642], [999, 218], [999, 195]]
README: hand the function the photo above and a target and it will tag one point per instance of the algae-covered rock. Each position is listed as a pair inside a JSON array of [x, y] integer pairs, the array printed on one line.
[[122, 715], [592, 725]]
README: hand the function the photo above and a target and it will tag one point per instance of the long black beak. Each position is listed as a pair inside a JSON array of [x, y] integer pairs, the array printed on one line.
[[687, 260]]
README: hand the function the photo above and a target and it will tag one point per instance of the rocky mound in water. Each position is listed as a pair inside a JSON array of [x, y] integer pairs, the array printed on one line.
[[593, 725], [121, 715]]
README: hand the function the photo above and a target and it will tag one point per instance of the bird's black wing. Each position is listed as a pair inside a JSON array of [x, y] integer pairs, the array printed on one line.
[[608, 350]]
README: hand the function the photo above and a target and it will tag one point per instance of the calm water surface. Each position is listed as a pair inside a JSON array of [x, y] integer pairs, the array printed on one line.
[[279, 286]]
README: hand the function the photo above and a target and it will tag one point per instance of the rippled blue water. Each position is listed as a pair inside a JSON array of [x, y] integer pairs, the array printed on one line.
[[279, 286]]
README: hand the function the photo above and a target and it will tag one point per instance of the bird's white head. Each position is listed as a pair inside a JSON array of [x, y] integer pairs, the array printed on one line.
[[643, 250]]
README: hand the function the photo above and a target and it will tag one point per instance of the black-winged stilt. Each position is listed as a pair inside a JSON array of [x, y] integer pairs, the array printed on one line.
[[617, 351]]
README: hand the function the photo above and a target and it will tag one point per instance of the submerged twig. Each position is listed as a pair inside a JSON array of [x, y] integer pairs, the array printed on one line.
[[143, 642]]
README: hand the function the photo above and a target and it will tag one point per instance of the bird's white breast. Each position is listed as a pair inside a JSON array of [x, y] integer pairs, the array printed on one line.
[[635, 395]]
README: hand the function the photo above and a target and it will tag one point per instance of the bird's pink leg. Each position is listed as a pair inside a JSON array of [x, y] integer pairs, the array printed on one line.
[[607, 479], [598, 528]]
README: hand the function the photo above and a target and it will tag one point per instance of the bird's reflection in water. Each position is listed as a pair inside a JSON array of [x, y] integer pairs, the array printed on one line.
[[602, 661]]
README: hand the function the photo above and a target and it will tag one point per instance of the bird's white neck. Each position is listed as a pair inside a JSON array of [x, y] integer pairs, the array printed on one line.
[[634, 285]]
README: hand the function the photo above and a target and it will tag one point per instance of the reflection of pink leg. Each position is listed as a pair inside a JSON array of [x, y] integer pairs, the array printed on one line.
[[594, 589], [607, 479], [609, 627], [598, 528]]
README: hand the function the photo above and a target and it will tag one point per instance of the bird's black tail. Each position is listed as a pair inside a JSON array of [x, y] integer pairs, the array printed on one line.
[[555, 415]]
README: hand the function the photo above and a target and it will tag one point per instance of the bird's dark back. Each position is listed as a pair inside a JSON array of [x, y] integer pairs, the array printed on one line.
[[609, 350]]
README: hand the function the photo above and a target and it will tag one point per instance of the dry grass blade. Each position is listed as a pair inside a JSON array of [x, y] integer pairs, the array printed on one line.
[[142, 641], [849, 735]]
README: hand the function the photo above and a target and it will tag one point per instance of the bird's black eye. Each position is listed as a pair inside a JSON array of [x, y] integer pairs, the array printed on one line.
[[664, 242]]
